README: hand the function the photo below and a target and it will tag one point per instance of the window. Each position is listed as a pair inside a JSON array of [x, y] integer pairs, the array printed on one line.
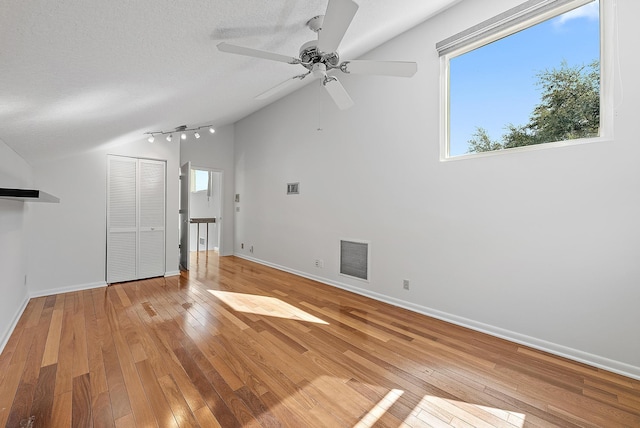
[[201, 181], [528, 77]]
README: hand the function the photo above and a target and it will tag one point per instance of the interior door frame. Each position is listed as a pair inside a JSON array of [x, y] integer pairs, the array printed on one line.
[[183, 215], [219, 220]]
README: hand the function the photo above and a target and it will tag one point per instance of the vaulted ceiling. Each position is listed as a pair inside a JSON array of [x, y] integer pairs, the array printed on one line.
[[77, 74]]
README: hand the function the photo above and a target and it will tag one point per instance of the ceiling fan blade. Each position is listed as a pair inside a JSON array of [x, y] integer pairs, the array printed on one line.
[[337, 93], [241, 50], [280, 87], [380, 68], [336, 21]]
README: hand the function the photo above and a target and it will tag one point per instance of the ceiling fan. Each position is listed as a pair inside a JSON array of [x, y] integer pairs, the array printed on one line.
[[320, 56]]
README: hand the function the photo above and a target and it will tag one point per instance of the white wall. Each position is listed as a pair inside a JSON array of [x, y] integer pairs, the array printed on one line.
[[215, 151], [14, 173], [540, 247], [67, 241]]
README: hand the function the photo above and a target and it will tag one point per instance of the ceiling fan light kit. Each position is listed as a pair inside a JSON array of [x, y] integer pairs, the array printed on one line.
[[320, 56]]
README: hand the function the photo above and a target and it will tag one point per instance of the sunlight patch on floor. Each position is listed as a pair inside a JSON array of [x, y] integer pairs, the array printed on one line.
[[379, 409], [264, 305], [473, 414]]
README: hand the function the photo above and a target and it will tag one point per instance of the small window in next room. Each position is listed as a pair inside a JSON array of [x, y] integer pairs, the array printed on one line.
[[200, 181], [527, 77]]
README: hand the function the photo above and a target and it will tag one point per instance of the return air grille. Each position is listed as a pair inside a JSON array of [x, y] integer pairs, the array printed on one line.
[[354, 259], [293, 188]]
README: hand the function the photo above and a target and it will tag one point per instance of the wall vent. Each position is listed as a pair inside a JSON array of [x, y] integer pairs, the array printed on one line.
[[293, 188], [354, 259]]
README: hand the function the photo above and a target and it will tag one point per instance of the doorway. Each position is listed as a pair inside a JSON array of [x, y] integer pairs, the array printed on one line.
[[201, 234]]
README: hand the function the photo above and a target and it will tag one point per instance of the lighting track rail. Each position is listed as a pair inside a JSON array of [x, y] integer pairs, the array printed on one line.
[[182, 130]]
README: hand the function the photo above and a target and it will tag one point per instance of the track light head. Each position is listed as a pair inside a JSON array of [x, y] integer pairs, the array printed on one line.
[[196, 134], [151, 138], [169, 137], [211, 130], [183, 136]]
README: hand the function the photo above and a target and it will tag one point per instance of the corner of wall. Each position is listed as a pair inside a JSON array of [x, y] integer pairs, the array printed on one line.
[[14, 172], [8, 331]]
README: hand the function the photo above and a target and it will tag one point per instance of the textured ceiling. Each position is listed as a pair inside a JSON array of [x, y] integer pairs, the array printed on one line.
[[77, 74]]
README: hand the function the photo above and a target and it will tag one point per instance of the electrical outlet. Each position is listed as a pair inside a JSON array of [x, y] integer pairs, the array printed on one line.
[[242, 246], [251, 249], [405, 284], [319, 263]]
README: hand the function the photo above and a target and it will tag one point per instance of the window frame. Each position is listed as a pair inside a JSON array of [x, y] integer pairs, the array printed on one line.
[[606, 79]]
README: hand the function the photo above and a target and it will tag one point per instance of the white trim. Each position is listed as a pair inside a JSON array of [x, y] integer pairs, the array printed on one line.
[[9, 331], [592, 360], [444, 109], [68, 289], [507, 22], [172, 273], [475, 39], [531, 148]]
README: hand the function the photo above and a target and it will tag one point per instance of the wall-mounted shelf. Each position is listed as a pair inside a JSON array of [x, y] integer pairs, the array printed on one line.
[[27, 195]]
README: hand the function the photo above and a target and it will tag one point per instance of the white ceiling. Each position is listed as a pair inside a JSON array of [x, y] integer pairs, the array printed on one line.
[[77, 74]]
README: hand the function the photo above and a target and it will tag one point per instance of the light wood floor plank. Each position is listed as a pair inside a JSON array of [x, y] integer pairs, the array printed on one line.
[[237, 344], [53, 339]]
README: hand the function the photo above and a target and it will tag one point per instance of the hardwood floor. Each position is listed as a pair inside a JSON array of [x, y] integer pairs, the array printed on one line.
[[239, 344]]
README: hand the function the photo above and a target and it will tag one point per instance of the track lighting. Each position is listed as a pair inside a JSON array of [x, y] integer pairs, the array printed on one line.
[[182, 130]]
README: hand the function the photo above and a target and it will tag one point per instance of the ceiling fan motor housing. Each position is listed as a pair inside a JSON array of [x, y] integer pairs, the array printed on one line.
[[310, 55]]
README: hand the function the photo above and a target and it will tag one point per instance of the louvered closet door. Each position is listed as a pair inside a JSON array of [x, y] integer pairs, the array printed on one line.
[[151, 255], [122, 225]]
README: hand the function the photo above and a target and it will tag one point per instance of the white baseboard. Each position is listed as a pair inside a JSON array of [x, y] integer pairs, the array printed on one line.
[[79, 287], [512, 336], [7, 333], [172, 273]]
